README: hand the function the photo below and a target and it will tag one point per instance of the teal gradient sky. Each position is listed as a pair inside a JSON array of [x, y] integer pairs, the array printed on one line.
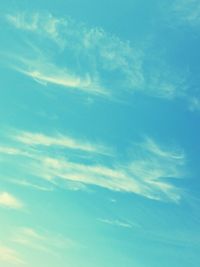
[[99, 133]]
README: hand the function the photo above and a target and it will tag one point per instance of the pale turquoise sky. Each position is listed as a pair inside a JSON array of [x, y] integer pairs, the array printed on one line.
[[99, 133]]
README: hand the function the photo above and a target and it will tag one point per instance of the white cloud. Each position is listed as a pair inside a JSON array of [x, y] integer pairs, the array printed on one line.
[[44, 71], [95, 54], [119, 223], [147, 175], [42, 241], [100, 63], [44, 24], [27, 183], [151, 146], [9, 255], [11, 151], [149, 172], [62, 141], [9, 201]]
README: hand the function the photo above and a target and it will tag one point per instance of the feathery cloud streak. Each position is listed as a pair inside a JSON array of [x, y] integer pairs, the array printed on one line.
[[149, 174], [99, 63], [96, 62], [62, 141], [118, 223]]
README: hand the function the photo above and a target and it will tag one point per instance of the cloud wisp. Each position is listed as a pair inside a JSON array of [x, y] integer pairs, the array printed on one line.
[[99, 51], [45, 72], [9, 201], [8, 255], [147, 176], [117, 223], [150, 172], [97, 62], [42, 241], [28, 183], [62, 141]]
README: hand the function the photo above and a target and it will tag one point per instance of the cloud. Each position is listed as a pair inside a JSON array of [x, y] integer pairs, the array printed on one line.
[[118, 223], [142, 177], [9, 255], [44, 24], [26, 183], [150, 171], [9, 201], [92, 52], [62, 141], [96, 62], [42, 241], [187, 12], [151, 146], [44, 71], [11, 151], [147, 175]]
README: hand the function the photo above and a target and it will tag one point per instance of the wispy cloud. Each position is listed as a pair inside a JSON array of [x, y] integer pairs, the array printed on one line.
[[44, 24], [149, 171], [62, 141], [187, 12], [118, 223], [27, 183], [147, 175], [10, 256], [151, 146], [96, 62], [95, 54], [41, 240], [11, 151], [9, 201], [45, 71]]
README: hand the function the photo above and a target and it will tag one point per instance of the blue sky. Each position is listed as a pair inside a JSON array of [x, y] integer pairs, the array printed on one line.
[[99, 130]]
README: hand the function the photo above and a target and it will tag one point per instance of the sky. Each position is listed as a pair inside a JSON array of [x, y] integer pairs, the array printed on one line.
[[99, 133]]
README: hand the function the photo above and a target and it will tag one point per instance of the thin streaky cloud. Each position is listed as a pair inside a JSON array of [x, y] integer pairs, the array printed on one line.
[[149, 174], [41, 240], [62, 141], [46, 72], [141, 176], [154, 148], [118, 223], [27, 183], [97, 55], [12, 151], [89, 44]]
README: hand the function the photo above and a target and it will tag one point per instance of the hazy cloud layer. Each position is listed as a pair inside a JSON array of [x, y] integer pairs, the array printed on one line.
[[8, 255]]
